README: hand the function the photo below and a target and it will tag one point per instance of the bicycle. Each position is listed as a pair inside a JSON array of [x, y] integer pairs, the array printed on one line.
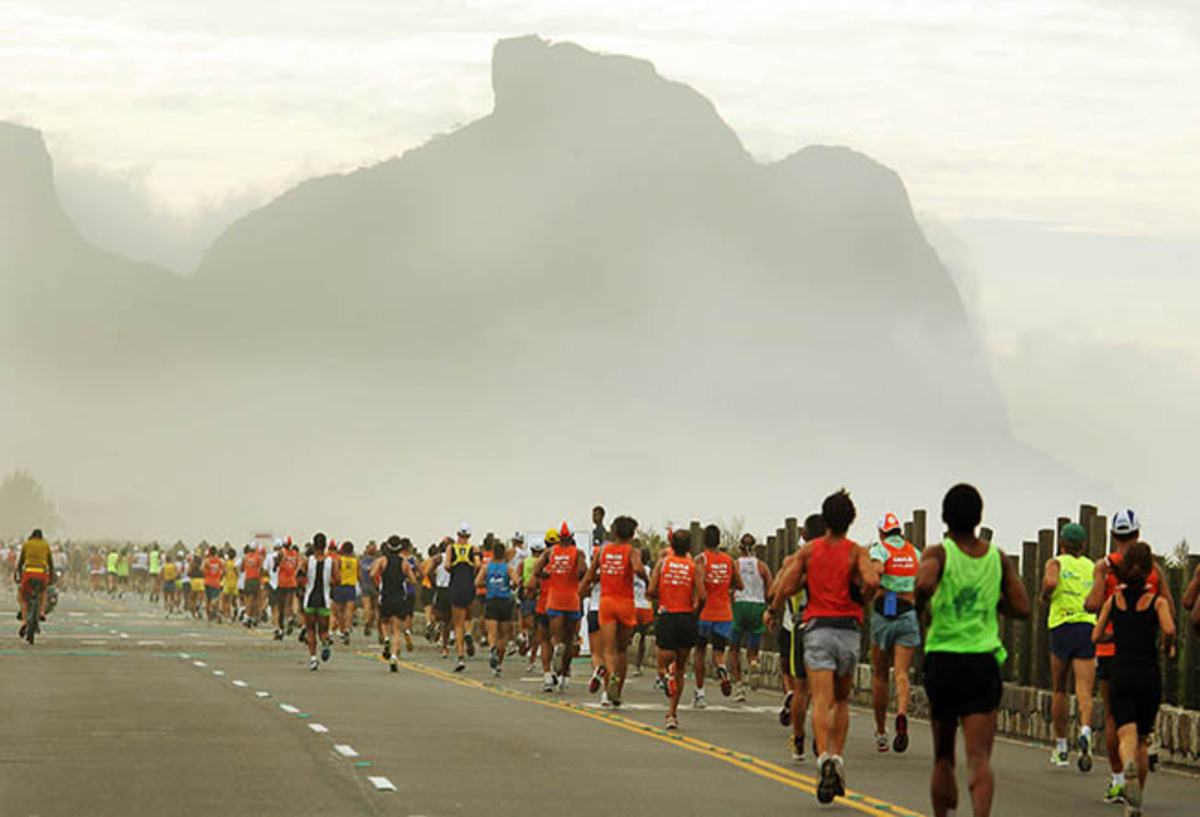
[[33, 616]]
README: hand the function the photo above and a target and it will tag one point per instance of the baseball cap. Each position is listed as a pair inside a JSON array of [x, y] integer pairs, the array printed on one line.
[[889, 523], [1125, 522], [1074, 532], [537, 545], [552, 537], [464, 529]]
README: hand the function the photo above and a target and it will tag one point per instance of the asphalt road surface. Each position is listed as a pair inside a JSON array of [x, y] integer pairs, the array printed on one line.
[[119, 711]]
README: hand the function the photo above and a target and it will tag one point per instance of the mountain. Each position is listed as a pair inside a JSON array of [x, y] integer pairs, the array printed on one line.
[[594, 289]]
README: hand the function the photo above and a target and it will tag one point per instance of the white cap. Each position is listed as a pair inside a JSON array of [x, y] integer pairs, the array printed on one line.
[[464, 529], [1125, 522]]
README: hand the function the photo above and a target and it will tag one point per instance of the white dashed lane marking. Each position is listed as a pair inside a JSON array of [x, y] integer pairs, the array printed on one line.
[[318, 728], [345, 750], [382, 784]]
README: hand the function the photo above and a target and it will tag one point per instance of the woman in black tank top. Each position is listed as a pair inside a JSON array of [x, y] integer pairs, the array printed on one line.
[[1137, 614]]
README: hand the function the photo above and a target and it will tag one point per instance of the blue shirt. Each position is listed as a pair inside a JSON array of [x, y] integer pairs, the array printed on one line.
[[498, 582]]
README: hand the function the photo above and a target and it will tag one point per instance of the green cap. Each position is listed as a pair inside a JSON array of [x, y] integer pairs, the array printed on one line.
[[1074, 533]]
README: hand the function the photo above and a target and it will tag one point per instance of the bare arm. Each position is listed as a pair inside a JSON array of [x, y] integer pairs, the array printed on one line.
[[929, 573], [1102, 622], [1095, 599], [639, 569], [1166, 621], [1050, 579], [867, 573], [480, 577], [698, 591], [765, 573], [589, 578], [1014, 601], [406, 567], [377, 568], [655, 575]]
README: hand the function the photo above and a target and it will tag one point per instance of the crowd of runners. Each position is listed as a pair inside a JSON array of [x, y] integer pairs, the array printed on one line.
[[702, 606]]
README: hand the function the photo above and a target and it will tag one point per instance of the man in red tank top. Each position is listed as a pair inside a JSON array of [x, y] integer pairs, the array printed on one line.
[[614, 568], [716, 619], [840, 581], [677, 585]]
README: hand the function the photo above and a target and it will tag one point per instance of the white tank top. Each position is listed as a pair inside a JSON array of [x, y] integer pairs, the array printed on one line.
[[639, 594], [752, 581], [442, 579]]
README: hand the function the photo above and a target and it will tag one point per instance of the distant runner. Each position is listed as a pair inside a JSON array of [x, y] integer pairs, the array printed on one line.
[[497, 581], [749, 605], [321, 573], [462, 561], [677, 585], [614, 570], [895, 632], [716, 617], [391, 571]]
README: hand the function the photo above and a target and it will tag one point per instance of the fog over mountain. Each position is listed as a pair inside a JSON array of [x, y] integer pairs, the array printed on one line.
[[592, 294]]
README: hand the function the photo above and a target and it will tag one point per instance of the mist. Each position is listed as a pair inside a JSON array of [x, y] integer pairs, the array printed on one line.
[[592, 294]]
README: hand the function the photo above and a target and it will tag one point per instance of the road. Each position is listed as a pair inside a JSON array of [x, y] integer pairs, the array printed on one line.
[[118, 711]]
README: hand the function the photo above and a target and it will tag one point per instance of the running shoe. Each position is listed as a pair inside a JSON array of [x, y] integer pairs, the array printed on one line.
[[900, 742], [1059, 759], [558, 661], [470, 642], [21, 632], [522, 643], [613, 692], [387, 648], [597, 679], [1152, 752], [605, 703], [493, 659], [672, 723], [726, 683], [461, 665], [392, 665], [346, 639], [496, 672], [278, 634], [563, 682], [548, 683], [840, 768], [325, 652], [740, 694], [785, 711], [827, 786], [698, 701], [1084, 762], [1115, 793], [796, 746], [1133, 790], [313, 664], [303, 635], [881, 742]]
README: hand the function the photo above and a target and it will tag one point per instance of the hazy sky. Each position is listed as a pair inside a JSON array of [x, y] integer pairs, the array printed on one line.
[[1077, 114], [1048, 146]]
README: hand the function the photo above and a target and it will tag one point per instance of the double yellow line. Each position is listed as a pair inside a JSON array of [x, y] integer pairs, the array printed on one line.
[[754, 765]]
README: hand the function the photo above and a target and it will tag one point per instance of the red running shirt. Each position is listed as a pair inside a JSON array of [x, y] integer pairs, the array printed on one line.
[[718, 574], [675, 585], [616, 572]]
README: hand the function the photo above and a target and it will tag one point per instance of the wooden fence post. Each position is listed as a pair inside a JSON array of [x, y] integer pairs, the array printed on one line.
[[792, 526], [1008, 627], [1098, 538], [697, 536], [918, 529], [1189, 658], [1086, 514], [1171, 674], [1025, 627], [1041, 648]]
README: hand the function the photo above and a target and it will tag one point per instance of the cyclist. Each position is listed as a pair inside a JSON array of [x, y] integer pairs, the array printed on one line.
[[35, 568]]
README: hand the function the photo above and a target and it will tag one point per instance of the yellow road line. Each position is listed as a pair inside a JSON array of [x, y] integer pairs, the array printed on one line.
[[742, 760]]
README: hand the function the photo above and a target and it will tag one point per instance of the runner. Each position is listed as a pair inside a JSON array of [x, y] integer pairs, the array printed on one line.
[[965, 581], [410, 599], [462, 562], [1066, 584], [252, 574], [1126, 530], [344, 593], [170, 594], [196, 593], [497, 581], [285, 593], [229, 583], [749, 605], [123, 568], [140, 566], [562, 566], [427, 571], [613, 570], [110, 563], [95, 571], [441, 597], [214, 569], [321, 573], [677, 584], [716, 619], [35, 568], [390, 571], [895, 631], [1137, 613], [533, 602], [369, 595], [836, 570], [155, 559], [644, 610], [794, 711]]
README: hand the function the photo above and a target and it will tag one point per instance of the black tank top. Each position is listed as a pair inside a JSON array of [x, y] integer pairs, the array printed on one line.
[[392, 577], [1135, 633]]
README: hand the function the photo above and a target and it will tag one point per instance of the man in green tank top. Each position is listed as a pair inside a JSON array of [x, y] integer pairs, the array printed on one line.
[[1066, 583], [965, 581]]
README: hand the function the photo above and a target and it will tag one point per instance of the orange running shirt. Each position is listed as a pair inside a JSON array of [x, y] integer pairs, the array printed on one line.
[[718, 573], [562, 587], [616, 572], [675, 585], [289, 563], [252, 565], [213, 568]]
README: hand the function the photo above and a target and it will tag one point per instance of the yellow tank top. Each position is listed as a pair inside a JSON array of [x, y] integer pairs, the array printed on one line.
[[349, 576], [168, 571], [1075, 579]]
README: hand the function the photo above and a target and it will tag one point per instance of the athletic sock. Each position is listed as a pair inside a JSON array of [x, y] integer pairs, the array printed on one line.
[[1085, 732], [1118, 779], [1060, 745]]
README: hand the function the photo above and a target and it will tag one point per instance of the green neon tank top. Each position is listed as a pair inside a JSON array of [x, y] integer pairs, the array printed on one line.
[[1075, 575], [964, 607], [527, 570]]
